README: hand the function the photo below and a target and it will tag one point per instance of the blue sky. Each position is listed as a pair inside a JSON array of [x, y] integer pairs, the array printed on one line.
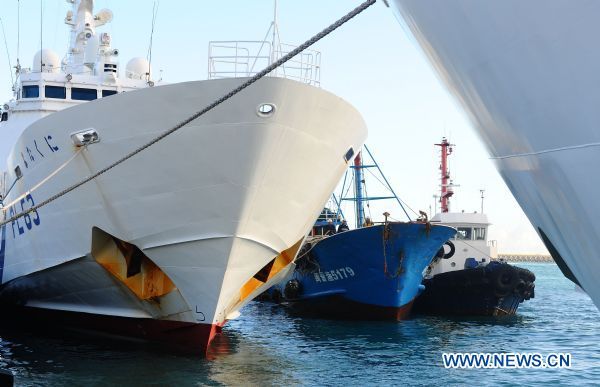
[[370, 62]]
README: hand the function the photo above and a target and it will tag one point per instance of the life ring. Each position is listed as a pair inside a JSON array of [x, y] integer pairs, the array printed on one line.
[[442, 252], [292, 289], [504, 280]]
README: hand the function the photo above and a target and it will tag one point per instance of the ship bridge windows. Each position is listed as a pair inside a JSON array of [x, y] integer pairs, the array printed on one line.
[[464, 233], [30, 91], [108, 93], [56, 92], [110, 68], [479, 233], [81, 94]]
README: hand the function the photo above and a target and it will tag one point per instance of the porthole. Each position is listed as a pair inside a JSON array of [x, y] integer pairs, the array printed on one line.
[[265, 110], [453, 264]]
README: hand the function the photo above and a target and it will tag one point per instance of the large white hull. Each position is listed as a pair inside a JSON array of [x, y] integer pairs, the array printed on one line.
[[210, 205], [527, 74]]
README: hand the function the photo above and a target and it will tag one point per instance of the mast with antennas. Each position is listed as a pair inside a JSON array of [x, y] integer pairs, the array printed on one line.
[[446, 185], [12, 80], [87, 51], [149, 58], [482, 197]]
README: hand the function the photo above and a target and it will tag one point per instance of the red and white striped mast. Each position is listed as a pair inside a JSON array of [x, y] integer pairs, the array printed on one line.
[[446, 183]]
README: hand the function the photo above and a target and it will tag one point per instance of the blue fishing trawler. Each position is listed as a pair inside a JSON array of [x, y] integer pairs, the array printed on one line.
[[371, 272]]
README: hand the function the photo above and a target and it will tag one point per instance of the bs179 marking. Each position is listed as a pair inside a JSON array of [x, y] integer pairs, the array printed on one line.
[[334, 275]]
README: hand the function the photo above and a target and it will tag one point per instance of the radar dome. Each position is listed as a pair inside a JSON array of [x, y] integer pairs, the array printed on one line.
[[137, 68], [48, 60]]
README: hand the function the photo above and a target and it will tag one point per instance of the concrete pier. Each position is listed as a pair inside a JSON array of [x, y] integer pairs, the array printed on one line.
[[525, 257]]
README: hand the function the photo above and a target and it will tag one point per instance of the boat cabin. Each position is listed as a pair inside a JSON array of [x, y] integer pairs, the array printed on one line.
[[471, 243]]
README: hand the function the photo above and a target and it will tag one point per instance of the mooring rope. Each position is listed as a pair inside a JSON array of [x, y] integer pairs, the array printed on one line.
[[44, 180], [200, 113]]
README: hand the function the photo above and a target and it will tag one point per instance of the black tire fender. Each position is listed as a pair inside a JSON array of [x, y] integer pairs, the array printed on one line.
[[293, 289], [442, 252], [504, 280]]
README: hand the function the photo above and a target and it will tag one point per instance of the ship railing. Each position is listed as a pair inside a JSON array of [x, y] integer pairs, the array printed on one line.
[[245, 58]]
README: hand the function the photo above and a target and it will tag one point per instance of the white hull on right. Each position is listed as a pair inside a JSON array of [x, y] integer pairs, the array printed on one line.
[[527, 73]]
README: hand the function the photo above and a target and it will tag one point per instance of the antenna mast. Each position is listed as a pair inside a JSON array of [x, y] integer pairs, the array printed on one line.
[[274, 37], [482, 191], [358, 186], [154, 13], [41, 35], [274, 24], [18, 67], [446, 184], [7, 53]]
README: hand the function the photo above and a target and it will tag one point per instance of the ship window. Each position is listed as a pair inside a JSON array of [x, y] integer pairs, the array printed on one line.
[[4, 116], [349, 154], [31, 91], [84, 94], [55, 92], [108, 93], [479, 234], [110, 68], [464, 233]]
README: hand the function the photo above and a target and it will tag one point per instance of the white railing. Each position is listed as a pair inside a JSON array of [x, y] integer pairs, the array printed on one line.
[[232, 59]]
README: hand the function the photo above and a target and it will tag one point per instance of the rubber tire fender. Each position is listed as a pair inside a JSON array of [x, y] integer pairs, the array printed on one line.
[[441, 254], [292, 289], [504, 280]]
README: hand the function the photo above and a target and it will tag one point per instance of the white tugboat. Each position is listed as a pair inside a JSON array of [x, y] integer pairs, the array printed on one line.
[[170, 244], [468, 279], [526, 74]]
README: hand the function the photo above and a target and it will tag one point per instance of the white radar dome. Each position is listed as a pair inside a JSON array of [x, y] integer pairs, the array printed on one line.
[[137, 68], [47, 60]]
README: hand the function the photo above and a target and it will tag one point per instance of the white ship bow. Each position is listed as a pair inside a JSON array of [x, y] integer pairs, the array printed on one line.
[[171, 243]]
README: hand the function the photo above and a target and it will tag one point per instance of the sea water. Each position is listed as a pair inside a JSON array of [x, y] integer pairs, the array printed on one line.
[[267, 346]]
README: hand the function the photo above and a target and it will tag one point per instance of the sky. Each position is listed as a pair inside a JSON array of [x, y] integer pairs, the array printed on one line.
[[372, 62]]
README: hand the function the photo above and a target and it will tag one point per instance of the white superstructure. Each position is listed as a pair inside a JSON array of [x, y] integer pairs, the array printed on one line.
[[526, 72], [178, 238], [470, 241]]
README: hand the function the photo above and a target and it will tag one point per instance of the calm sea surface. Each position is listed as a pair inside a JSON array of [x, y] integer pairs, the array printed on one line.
[[266, 346]]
